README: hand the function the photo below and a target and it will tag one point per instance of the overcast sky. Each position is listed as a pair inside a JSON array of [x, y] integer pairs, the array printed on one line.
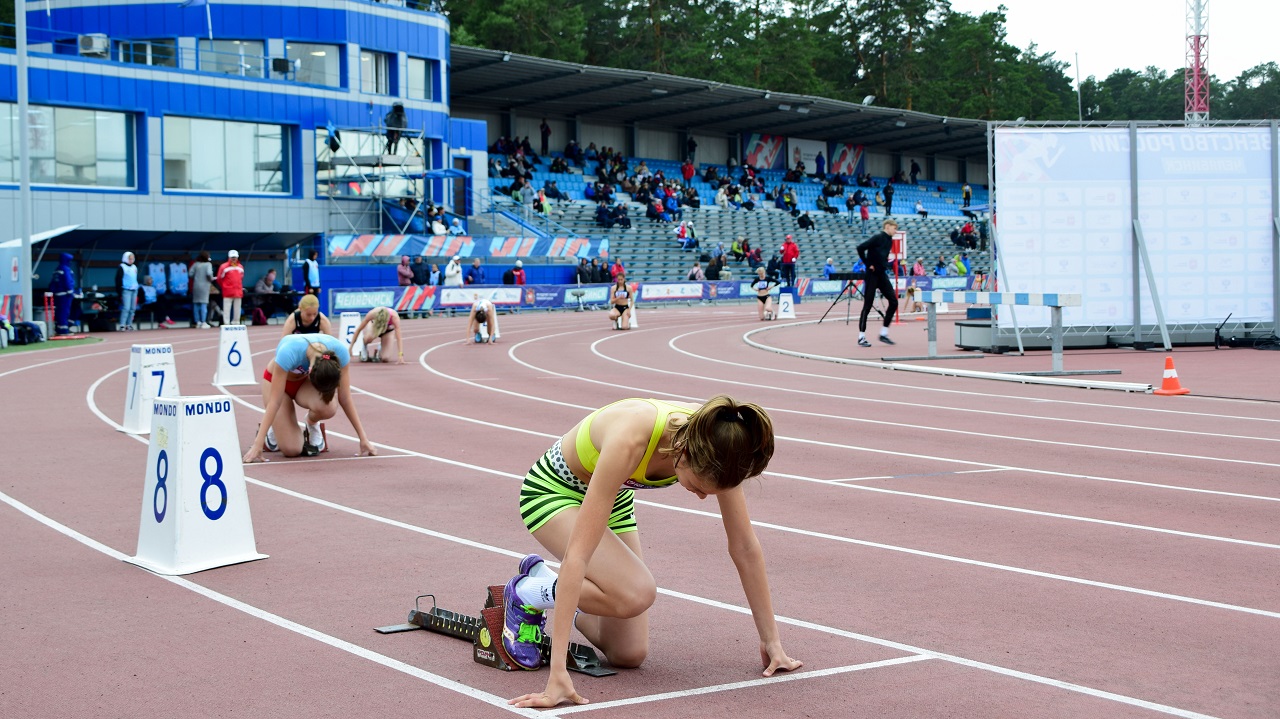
[[1115, 34]]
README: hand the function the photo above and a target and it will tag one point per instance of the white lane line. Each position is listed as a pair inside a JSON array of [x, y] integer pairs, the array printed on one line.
[[116, 350], [888, 476], [257, 613], [741, 610], [970, 410], [848, 540], [734, 686], [422, 360], [907, 425], [287, 461]]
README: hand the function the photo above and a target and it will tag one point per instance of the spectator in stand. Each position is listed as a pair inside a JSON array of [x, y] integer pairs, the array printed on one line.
[[559, 166], [888, 199], [805, 222], [201, 281], [475, 273], [829, 268], [966, 195], [690, 198], [691, 150], [435, 276], [231, 281], [695, 273], [864, 212], [672, 207], [551, 190], [687, 171], [851, 204], [920, 209], [603, 217], [790, 253], [515, 275], [917, 270], [404, 273], [687, 236], [915, 172], [722, 198], [421, 272], [453, 273], [584, 276], [545, 131], [774, 268], [616, 269], [619, 216], [820, 166], [266, 285], [735, 249], [713, 270], [455, 228], [600, 271], [755, 259], [718, 251], [825, 206], [959, 266], [940, 267]]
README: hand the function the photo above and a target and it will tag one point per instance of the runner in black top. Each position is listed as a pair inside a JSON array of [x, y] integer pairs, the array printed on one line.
[[874, 253], [307, 319]]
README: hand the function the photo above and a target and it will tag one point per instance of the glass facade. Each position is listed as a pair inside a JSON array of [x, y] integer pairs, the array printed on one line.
[[232, 57], [162, 53], [343, 167], [423, 80], [318, 64], [70, 146], [219, 156], [375, 73]]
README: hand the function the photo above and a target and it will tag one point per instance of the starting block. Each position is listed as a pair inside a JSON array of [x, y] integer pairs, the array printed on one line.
[[308, 450], [485, 634]]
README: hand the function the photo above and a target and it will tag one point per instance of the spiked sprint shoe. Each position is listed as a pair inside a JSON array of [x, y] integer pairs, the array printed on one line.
[[521, 627]]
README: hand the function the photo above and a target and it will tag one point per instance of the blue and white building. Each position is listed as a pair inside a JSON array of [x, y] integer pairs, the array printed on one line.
[[166, 128]]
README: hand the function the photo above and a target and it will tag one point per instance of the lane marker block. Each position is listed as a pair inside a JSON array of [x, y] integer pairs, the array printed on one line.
[[153, 373], [347, 324], [786, 306], [195, 509], [235, 361]]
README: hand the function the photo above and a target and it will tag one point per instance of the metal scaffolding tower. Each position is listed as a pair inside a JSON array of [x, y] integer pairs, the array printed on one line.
[[1197, 77]]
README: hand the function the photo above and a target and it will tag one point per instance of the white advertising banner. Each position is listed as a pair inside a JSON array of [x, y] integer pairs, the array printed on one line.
[[806, 151]]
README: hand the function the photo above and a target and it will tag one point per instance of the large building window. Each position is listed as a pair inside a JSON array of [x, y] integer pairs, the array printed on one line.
[[232, 57], [424, 79], [375, 73], [317, 64], [70, 146], [161, 53], [219, 156]]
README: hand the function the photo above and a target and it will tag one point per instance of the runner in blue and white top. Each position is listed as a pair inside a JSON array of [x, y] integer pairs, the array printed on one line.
[[309, 371]]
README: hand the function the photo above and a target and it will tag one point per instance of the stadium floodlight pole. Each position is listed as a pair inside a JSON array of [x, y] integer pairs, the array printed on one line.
[[24, 163], [1079, 93]]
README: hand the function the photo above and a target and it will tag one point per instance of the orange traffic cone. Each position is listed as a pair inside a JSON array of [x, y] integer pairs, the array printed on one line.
[[1170, 385]]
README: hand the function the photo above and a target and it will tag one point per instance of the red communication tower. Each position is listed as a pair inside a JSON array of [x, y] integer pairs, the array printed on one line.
[[1196, 106]]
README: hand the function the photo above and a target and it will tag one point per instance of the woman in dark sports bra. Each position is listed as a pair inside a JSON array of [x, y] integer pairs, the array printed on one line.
[[307, 319], [620, 298]]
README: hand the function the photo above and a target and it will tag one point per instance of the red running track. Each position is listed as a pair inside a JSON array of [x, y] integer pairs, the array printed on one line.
[[937, 546]]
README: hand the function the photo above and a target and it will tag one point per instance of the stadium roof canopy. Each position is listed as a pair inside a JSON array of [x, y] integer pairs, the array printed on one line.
[[496, 81]]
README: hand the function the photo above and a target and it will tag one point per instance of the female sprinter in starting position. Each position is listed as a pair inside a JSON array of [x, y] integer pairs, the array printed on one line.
[[308, 371], [762, 285], [620, 298], [482, 313], [583, 486], [376, 325], [307, 319]]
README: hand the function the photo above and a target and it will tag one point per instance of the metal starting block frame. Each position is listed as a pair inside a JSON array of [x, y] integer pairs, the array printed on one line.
[[485, 634]]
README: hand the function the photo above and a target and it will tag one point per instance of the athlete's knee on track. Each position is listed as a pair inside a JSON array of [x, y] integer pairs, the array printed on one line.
[[629, 657]]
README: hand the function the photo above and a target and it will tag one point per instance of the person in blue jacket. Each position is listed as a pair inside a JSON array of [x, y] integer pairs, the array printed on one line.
[[63, 287]]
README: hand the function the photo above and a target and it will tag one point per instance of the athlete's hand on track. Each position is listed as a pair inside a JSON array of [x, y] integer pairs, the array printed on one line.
[[774, 659], [367, 450], [559, 689], [401, 360], [253, 455]]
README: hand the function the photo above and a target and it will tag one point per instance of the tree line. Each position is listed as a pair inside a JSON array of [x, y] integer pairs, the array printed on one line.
[[910, 54]]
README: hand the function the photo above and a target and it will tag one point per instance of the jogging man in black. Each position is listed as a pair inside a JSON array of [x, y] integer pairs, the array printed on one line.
[[874, 253]]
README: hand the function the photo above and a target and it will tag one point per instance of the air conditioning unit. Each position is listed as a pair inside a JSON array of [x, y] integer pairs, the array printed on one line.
[[284, 66], [95, 45]]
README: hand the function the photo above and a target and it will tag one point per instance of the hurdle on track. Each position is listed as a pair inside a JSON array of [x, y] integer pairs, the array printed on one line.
[[1054, 301]]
